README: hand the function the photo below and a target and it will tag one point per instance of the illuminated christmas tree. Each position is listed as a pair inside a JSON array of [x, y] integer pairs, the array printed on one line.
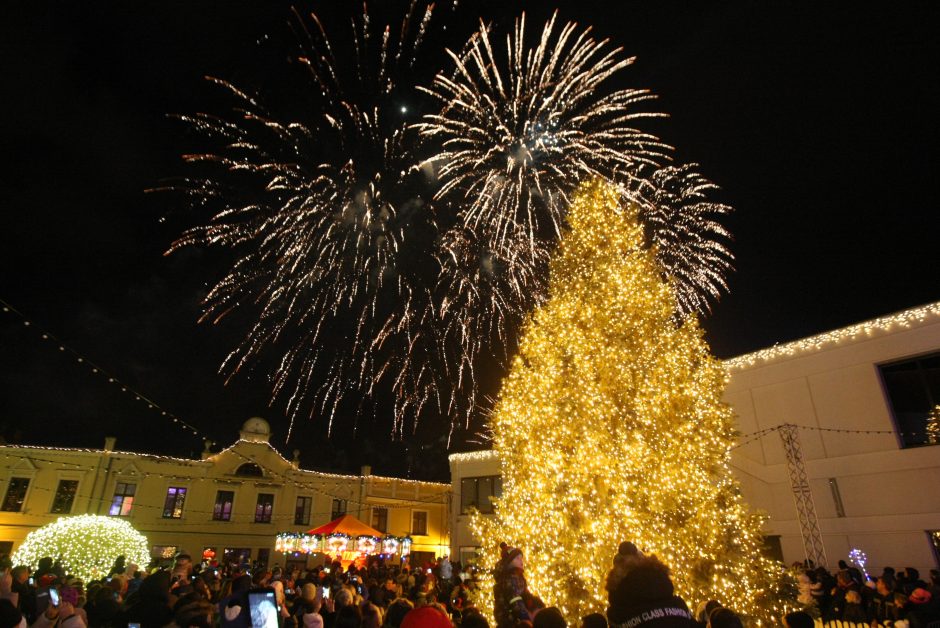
[[610, 427]]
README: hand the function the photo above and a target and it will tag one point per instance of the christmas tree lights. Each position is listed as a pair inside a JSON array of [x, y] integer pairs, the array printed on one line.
[[87, 545], [610, 427]]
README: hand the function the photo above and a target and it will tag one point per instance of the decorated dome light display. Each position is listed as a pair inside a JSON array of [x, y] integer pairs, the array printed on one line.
[[86, 545]]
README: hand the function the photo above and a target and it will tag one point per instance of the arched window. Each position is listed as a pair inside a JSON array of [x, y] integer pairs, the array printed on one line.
[[249, 470]]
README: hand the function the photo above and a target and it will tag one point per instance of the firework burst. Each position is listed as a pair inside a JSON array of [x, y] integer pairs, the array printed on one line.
[[520, 127], [385, 259], [328, 221]]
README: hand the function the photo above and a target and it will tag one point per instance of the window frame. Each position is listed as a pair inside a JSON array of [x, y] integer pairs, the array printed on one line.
[[336, 514], [899, 433], [372, 512], [302, 516], [267, 508], [427, 522], [178, 505], [6, 494], [124, 496], [464, 510], [218, 513], [55, 497]]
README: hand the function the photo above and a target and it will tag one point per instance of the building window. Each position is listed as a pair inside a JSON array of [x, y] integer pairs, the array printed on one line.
[[380, 518], [419, 522], [913, 389], [249, 470], [222, 511], [64, 497], [264, 508], [123, 499], [934, 536], [173, 504], [339, 509], [302, 512], [476, 493], [16, 494]]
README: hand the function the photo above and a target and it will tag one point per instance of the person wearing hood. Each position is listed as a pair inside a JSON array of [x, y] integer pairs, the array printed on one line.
[[151, 609], [645, 598], [513, 602], [233, 610]]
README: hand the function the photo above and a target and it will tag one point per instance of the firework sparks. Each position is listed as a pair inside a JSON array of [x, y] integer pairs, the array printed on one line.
[[520, 130], [327, 218], [380, 257]]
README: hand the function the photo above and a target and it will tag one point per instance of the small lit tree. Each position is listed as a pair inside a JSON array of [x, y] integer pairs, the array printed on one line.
[[86, 545], [610, 427]]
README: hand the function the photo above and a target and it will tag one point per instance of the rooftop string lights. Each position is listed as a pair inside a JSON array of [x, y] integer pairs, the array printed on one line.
[[829, 339]]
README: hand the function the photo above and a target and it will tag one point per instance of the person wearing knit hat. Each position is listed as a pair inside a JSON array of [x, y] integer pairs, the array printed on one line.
[[512, 601], [426, 617]]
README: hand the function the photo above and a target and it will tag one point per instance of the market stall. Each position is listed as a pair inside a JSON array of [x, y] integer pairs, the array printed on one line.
[[345, 539]]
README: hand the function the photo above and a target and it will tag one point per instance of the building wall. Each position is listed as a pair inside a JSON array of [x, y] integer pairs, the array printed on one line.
[[890, 496], [99, 471]]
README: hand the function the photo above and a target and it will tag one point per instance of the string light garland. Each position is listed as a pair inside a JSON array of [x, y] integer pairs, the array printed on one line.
[[86, 545], [97, 370], [866, 329], [610, 427]]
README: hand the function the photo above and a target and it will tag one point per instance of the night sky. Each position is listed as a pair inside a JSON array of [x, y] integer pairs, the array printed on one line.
[[818, 120]]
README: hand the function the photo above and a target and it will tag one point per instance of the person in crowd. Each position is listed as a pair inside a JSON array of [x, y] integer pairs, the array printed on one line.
[[853, 609], [396, 612], [25, 592], [371, 615], [594, 620], [724, 618], [922, 608], [426, 617], [798, 619], [472, 618], [233, 608], [349, 616], [645, 597], [702, 612], [513, 602], [152, 608], [549, 617]]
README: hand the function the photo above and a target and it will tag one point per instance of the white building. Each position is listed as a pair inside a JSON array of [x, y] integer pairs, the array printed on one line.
[[867, 400]]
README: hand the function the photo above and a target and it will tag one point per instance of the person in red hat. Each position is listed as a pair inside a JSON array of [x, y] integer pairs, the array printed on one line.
[[426, 617]]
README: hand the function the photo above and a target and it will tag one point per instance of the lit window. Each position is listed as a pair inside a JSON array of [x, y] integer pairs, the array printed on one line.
[[339, 509], [173, 504], [123, 499], [934, 537], [64, 497], [264, 508], [302, 512], [419, 522], [380, 518], [223, 506], [16, 494], [913, 389], [476, 493]]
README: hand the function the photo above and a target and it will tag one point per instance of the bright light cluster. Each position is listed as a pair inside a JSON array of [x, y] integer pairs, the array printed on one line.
[[610, 427], [867, 329], [87, 545]]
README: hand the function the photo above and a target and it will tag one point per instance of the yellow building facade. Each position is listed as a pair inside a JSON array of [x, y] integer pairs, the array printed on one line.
[[232, 503]]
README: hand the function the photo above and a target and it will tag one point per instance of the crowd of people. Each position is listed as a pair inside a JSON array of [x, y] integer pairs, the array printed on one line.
[[640, 592], [900, 598]]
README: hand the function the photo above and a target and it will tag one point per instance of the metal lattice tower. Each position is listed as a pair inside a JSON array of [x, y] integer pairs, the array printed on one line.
[[813, 546]]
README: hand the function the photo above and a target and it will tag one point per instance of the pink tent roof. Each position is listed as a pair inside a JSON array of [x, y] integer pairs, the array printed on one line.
[[347, 524]]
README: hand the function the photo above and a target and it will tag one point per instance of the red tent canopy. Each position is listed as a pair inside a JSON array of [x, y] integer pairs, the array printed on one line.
[[348, 525]]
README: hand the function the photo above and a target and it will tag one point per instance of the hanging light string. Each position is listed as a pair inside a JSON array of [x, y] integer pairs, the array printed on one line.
[[96, 369]]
